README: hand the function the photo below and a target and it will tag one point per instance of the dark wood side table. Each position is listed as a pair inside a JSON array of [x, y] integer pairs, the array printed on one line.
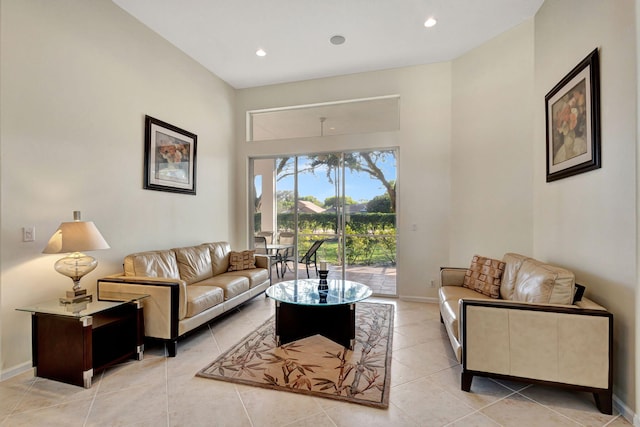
[[71, 342]]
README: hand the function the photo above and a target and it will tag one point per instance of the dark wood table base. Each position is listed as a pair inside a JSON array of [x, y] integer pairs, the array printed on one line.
[[336, 322]]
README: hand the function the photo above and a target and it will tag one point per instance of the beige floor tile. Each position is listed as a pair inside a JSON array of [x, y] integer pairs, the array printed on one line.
[[276, 408], [68, 414], [423, 359], [12, 391], [415, 314], [518, 411], [348, 415], [483, 391], [205, 402], [149, 372], [423, 331], [316, 420], [474, 420], [130, 406], [402, 374], [428, 404], [576, 405], [44, 393], [229, 332]]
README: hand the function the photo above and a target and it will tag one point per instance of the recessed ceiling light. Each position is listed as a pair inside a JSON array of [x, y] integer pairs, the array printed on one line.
[[337, 39], [261, 52], [430, 22]]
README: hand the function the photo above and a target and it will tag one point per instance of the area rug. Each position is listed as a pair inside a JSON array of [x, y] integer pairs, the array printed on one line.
[[316, 365]]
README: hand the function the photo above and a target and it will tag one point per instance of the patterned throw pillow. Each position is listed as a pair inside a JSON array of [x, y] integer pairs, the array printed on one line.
[[242, 260], [484, 276]]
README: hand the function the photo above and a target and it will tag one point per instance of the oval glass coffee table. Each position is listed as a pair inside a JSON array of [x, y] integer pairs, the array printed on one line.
[[307, 307]]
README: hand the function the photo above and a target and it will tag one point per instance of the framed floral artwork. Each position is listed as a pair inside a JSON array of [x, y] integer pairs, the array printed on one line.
[[573, 121], [169, 158]]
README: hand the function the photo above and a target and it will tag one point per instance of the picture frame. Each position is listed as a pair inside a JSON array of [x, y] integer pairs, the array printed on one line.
[[169, 157], [572, 113]]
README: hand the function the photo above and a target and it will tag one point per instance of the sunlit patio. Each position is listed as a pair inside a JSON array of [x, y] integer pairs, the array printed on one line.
[[381, 279]]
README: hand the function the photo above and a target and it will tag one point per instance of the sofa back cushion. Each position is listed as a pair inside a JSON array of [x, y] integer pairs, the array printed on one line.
[[194, 263], [152, 264], [219, 252], [512, 265], [537, 282]]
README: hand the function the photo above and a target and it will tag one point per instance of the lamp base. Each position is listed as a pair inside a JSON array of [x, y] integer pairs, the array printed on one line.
[[76, 296]]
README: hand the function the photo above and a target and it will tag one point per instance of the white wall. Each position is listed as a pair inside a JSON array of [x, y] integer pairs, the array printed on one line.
[[265, 168], [588, 222], [637, 299], [77, 79], [423, 141], [491, 134]]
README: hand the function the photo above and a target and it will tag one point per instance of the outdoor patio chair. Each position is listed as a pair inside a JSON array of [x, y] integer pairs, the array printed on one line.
[[267, 235], [308, 258], [260, 246]]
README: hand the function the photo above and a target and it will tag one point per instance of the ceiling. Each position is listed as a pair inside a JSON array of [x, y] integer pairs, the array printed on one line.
[[224, 35]]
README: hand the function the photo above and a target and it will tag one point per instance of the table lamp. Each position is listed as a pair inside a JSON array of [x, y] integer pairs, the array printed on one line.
[[74, 238]]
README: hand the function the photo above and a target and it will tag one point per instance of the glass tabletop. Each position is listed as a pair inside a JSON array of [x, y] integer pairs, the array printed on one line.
[[82, 308], [311, 292]]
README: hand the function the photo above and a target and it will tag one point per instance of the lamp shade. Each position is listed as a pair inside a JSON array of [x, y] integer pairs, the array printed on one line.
[[76, 236]]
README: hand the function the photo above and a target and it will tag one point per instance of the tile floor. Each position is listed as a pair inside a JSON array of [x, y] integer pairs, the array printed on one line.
[[161, 391]]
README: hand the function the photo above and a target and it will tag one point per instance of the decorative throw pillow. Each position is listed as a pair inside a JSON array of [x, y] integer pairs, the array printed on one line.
[[484, 276], [242, 260]]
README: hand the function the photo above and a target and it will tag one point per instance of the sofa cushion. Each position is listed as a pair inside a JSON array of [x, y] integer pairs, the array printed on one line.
[[256, 276], [242, 260], [512, 265], [194, 263], [450, 297], [543, 283], [231, 284], [201, 298], [219, 256], [484, 276], [152, 264]]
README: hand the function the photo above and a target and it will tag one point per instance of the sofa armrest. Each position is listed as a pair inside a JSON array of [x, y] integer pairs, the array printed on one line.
[[452, 276], [164, 307], [542, 342]]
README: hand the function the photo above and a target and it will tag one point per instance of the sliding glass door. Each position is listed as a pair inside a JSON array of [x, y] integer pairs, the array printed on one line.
[[346, 200]]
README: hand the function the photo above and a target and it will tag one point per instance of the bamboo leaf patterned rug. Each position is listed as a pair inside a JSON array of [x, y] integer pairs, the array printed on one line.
[[316, 365]]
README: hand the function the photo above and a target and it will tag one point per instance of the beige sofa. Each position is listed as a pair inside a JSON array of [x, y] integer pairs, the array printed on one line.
[[187, 287], [535, 330]]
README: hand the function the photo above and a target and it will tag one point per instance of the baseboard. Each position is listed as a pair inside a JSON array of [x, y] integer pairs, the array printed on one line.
[[430, 300], [625, 411], [16, 370]]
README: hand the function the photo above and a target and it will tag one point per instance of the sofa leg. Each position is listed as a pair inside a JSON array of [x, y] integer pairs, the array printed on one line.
[[465, 381], [172, 348], [441, 319], [604, 401]]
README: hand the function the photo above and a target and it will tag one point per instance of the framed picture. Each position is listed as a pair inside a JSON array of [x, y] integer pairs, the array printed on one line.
[[573, 121], [169, 157]]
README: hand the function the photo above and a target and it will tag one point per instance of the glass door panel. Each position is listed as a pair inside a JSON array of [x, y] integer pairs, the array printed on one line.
[[370, 219], [347, 200]]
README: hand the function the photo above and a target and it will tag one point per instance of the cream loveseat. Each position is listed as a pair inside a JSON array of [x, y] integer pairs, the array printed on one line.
[[521, 319], [187, 287]]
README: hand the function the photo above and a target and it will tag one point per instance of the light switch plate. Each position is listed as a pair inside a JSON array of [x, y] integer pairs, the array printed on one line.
[[29, 234]]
